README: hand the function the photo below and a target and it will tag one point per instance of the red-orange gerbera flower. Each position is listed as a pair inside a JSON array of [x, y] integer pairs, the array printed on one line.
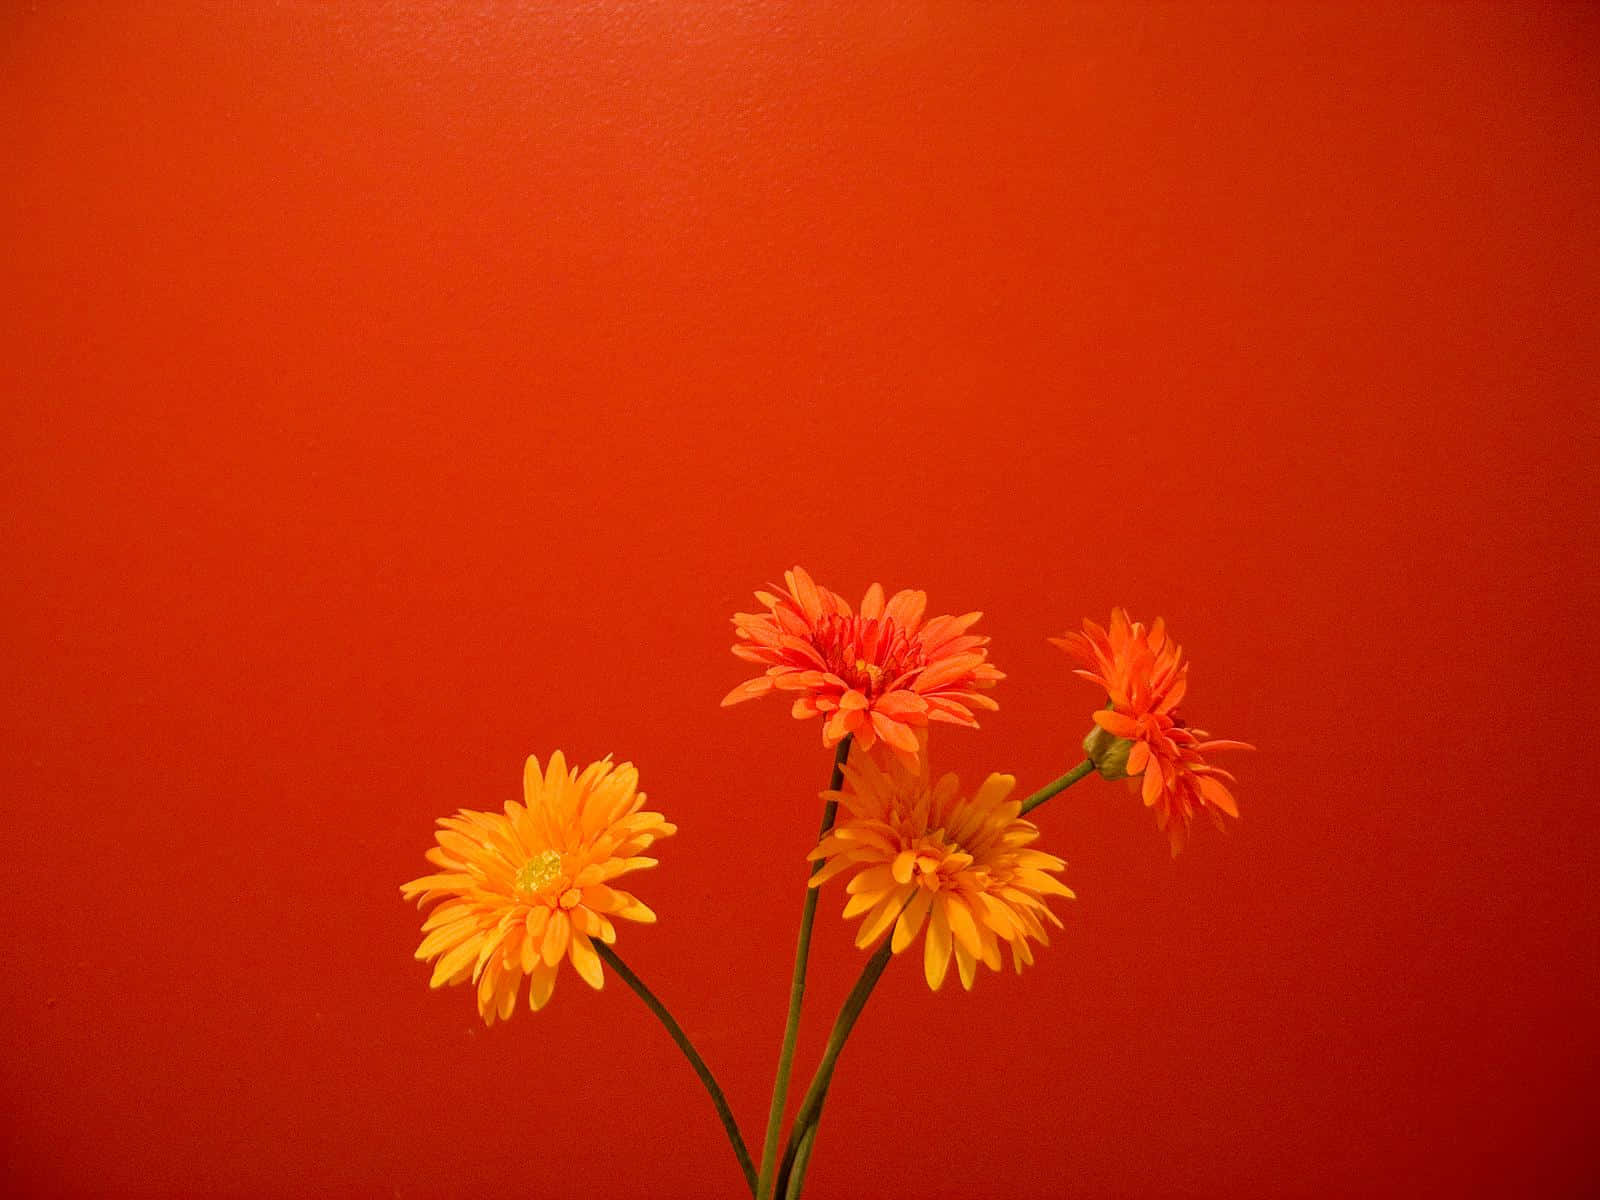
[[525, 890], [924, 852], [880, 673], [1142, 670], [1144, 675]]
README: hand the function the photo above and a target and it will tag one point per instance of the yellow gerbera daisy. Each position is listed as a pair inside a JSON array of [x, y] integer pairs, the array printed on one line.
[[922, 852], [524, 890]]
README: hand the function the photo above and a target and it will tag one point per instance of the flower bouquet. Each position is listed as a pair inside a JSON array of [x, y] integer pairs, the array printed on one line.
[[515, 894]]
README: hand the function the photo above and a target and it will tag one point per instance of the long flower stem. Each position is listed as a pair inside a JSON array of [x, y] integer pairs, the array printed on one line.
[[693, 1055], [804, 1130], [797, 991], [1056, 785]]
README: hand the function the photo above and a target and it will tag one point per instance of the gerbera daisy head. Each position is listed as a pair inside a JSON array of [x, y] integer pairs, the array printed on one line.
[[924, 853], [879, 673], [518, 892], [1140, 735]]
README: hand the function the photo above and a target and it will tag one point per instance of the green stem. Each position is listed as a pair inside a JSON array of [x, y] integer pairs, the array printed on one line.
[[1056, 785], [802, 1159], [803, 1132], [693, 1055], [797, 991]]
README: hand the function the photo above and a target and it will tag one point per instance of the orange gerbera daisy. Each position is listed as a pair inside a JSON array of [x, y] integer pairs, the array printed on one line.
[[878, 674], [522, 891], [923, 852], [1142, 670], [1144, 675]]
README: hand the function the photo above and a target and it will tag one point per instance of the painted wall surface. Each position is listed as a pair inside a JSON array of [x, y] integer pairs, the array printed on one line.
[[395, 390]]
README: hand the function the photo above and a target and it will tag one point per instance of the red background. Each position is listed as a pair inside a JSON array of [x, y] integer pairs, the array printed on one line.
[[396, 390]]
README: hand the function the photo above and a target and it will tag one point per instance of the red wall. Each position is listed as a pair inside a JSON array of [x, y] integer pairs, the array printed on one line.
[[396, 390]]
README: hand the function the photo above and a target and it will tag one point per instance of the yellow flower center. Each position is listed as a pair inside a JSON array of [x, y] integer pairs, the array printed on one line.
[[932, 855], [539, 872], [872, 671]]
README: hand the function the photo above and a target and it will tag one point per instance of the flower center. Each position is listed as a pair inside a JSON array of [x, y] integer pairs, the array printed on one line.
[[869, 655], [539, 872], [931, 859]]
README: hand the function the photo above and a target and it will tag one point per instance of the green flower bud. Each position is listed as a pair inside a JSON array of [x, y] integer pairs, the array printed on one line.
[[1108, 753]]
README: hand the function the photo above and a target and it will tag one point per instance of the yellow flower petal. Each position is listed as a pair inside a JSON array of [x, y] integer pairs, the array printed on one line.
[[910, 922], [541, 982], [556, 935], [882, 917], [967, 966], [962, 924], [585, 961], [936, 947]]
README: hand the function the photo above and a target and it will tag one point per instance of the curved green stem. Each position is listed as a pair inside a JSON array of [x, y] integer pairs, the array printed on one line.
[[804, 1130], [802, 1159], [699, 1064], [797, 991], [1056, 785]]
